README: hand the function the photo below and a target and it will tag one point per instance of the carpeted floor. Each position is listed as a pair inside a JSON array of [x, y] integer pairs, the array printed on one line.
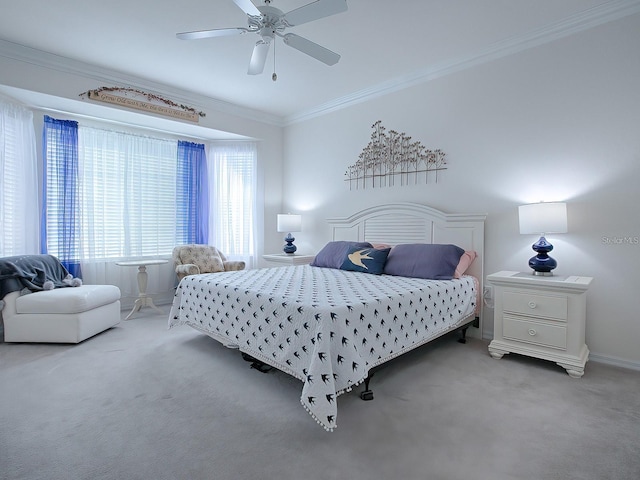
[[143, 402]]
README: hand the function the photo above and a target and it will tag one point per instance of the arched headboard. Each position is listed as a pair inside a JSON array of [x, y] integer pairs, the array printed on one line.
[[414, 223]]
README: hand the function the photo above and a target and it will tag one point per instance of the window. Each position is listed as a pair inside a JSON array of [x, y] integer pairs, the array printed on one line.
[[135, 198], [127, 194], [232, 175]]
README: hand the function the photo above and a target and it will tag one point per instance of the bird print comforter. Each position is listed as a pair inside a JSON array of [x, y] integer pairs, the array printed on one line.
[[324, 326]]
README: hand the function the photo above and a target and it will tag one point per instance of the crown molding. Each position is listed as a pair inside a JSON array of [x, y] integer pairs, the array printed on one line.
[[101, 75], [571, 25]]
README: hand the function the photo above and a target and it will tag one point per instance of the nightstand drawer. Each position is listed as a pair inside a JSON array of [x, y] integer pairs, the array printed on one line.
[[547, 306], [553, 336]]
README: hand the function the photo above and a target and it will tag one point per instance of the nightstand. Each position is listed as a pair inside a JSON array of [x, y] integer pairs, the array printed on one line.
[[542, 317], [289, 259]]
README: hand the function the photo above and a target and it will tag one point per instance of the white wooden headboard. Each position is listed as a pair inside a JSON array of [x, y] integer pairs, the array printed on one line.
[[414, 223]]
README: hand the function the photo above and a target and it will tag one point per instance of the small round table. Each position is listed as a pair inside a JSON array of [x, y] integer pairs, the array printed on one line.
[[143, 299]]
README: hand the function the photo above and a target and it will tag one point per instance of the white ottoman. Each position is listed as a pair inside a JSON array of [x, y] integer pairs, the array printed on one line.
[[61, 315]]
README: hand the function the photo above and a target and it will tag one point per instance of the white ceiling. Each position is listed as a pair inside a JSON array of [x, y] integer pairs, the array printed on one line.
[[383, 44]]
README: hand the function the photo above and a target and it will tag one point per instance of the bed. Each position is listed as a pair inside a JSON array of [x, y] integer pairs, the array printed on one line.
[[331, 327]]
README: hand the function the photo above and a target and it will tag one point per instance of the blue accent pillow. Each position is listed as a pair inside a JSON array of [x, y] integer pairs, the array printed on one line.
[[365, 260], [424, 260], [334, 253]]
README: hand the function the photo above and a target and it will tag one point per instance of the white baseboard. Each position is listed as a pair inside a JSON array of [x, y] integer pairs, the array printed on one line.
[[615, 361]]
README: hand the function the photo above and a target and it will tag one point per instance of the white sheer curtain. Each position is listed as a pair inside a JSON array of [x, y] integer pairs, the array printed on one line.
[[128, 198], [19, 206], [232, 171]]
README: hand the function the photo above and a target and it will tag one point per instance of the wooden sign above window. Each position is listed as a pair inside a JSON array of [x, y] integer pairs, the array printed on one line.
[[147, 102]]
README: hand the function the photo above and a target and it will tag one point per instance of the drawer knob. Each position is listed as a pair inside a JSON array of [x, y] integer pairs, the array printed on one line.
[[532, 332], [532, 304]]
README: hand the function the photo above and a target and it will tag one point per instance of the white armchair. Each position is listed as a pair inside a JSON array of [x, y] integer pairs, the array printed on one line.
[[193, 259]]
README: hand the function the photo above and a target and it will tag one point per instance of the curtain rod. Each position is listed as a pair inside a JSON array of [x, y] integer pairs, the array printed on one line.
[[140, 127]]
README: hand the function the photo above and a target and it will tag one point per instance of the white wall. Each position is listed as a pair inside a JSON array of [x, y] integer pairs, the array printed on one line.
[[556, 122]]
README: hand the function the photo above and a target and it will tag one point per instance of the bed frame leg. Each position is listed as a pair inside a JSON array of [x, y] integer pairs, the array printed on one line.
[[257, 364], [367, 394], [463, 335], [463, 331]]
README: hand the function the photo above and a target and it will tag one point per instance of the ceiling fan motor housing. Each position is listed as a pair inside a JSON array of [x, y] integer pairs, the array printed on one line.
[[268, 24]]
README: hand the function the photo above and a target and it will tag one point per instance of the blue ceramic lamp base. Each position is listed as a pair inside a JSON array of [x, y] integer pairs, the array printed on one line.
[[289, 248], [542, 263]]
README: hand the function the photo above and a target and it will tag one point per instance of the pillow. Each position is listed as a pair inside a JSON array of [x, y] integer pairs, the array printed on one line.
[[465, 262], [365, 260], [334, 253], [424, 260]]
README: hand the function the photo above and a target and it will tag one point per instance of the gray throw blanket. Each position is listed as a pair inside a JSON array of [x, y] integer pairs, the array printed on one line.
[[31, 271]]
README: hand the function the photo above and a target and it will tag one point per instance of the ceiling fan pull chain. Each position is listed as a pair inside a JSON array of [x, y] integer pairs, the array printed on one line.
[[274, 77]]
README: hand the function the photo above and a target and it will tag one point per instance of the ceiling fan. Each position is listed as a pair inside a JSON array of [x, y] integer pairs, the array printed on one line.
[[269, 22]]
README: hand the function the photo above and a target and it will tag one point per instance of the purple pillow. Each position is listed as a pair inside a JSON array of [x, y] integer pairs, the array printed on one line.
[[334, 253], [423, 260]]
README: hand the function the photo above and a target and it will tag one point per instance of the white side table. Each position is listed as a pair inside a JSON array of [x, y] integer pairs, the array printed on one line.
[[143, 299], [542, 317], [289, 259]]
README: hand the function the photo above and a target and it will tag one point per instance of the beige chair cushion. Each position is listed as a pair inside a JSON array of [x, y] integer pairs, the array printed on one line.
[[205, 257]]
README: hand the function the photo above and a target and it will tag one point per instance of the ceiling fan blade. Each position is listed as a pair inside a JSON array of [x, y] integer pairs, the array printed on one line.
[[258, 58], [312, 49], [218, 32], [314, 11], [247, 7]]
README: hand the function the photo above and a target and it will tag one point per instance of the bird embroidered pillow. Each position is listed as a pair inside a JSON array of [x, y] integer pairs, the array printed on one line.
[[333, 253], [366, 260]]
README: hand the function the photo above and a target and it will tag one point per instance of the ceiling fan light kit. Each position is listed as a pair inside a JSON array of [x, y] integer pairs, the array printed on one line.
[[269, 22]]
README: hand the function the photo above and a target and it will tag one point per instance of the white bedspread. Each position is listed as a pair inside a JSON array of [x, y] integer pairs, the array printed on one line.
[[324, 326]]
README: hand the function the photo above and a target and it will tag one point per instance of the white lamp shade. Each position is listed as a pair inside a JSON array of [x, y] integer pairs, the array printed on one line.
[[289, 223], [544, 217]]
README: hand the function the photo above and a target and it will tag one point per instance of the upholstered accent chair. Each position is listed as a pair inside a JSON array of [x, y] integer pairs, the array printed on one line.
[[193, 259]]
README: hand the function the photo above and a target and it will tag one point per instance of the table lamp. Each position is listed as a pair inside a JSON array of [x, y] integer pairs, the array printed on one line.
[[289, 223], [543, 218]]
